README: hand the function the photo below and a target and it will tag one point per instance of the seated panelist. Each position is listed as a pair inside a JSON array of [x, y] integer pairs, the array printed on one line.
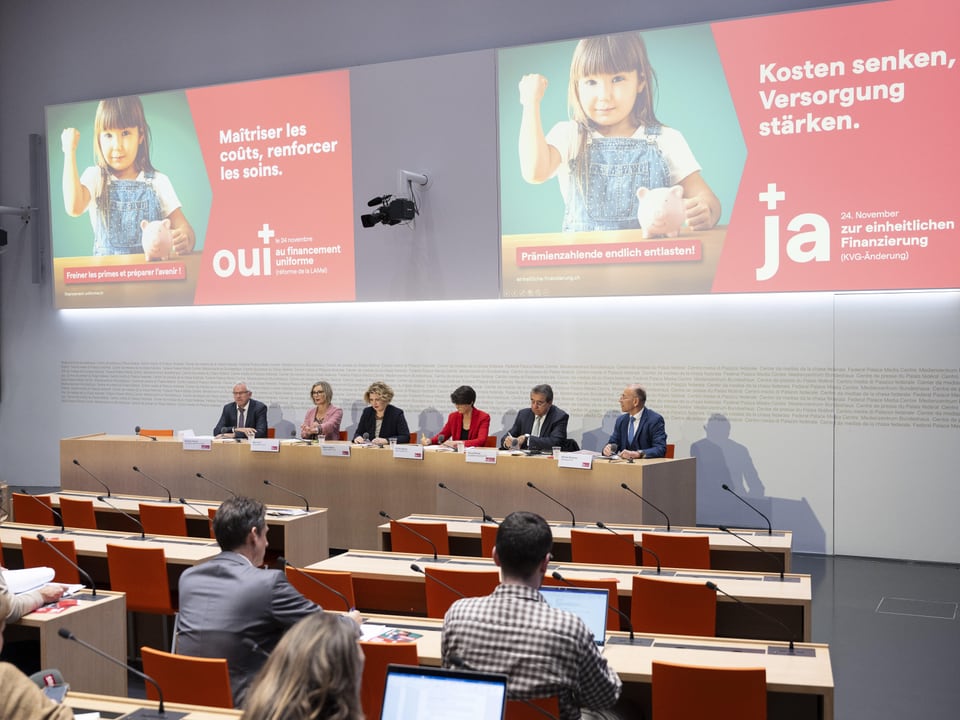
[[322, 421], [640, 431], [381, 420], [466, 424]]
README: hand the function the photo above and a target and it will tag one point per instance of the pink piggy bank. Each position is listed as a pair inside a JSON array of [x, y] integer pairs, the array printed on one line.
[[157, 239], [661, 211]]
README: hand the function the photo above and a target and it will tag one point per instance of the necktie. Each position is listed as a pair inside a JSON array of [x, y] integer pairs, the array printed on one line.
[[240, 414], [633, 429], [536, 426]]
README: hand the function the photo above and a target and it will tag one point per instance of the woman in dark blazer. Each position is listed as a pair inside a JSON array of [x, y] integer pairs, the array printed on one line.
[[381, 421]]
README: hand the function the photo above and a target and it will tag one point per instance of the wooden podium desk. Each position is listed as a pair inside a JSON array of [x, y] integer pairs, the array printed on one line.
[[384, 582], [101, 623], [91, 545], [357, 487], [726, 551], [799, 686], [298, 535], [110, 706]]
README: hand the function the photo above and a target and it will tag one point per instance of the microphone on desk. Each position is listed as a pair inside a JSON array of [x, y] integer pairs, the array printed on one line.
[[131, 518], [77, 463], [143, 713], [438, 581], [306, 503], [406, 527], [219, 485], [635, 543], [202, 513], [483, 513], [254, 646], [758, 611], [627, 488], [282, 561], [42, 504], [769, 526], [155, 482], [623, 616], [58, 551], [777, 559], [136, 431], [573, 519]]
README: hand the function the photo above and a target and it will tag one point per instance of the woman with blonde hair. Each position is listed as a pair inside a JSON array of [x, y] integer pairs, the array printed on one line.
[[381, 420], [313, 673]]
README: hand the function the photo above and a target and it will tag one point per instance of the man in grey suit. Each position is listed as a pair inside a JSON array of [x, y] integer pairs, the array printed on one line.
[[228, 603]]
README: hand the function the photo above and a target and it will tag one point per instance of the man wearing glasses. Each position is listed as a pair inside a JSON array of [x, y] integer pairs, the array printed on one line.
[[243, 415], [542, 427], [640, 431]]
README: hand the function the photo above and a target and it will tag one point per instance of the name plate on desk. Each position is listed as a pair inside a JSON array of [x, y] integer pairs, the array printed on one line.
[[406, 451], [335, 450], [488, 456], [575, 460], [198, 443], [265, 445]]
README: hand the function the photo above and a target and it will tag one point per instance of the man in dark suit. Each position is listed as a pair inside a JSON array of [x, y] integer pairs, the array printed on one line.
[[244, 415], [231, 608], [639, 432], [542, 427]]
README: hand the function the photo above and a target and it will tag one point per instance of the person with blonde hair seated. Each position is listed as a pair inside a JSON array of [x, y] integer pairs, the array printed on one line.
[[381, 420], [313, 673]]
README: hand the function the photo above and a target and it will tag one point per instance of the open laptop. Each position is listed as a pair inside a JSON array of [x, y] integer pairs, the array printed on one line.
[[589, 604], [414, 692]]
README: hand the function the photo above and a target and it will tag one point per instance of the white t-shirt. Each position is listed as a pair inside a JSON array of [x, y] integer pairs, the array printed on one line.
[[677, 154], [169, 201]]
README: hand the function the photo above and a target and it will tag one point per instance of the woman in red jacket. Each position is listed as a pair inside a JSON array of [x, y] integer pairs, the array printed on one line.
[[466, 423]]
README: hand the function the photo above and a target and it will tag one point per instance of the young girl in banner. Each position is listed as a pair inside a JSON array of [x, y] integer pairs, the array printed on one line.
[[614, 143], [123, 188]]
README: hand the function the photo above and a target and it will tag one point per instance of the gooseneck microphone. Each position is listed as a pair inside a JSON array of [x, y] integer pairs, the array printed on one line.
[[627, 488], [406, 527], [136, 431], [214, 482], [58, 551], [202, 513], [155, 482], [306, 503], [769, 526], [776, 558], [623, 616], [438, 581], [758, 611], [282, 561], [635, 544], [77, 463], [131, 518], [42, 504], [142, 713], [254, 647], [483, 513], [573, 520]]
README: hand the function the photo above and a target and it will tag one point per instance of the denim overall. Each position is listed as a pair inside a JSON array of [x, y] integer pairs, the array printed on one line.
[[616, 168], [128, 202]]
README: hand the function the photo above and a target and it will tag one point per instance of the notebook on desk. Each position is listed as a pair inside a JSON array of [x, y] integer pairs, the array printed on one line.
[[589, 604], [414, 692]]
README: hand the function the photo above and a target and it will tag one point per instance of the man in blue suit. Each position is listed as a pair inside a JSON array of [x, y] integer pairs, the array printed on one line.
[[639, 432]]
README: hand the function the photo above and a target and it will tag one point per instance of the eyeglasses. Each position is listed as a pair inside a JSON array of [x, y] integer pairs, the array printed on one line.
[[241, 392], [318, 392], [538, 403]]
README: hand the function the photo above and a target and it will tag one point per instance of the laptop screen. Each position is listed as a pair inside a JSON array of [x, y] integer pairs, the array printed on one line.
[[590, 604], [425, 693]]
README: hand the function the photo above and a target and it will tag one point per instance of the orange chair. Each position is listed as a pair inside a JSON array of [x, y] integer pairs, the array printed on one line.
[[413, 438], [671, 449], [404, 541], [488, 539], [163, 519], [692, 691], [211, 513], [377, 655], [271, 433], [342, 582], [186, 679], [491, 441], [168, 432], [677, 551], [78, 513], [589, 546], [141, 573], [608, 584], [343, 434], [673, 607], [521, 710], [471, 583], [39, 554], [29, 509]]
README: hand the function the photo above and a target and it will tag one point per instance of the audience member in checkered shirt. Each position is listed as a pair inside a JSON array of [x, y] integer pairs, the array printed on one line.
[[542, 650]]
